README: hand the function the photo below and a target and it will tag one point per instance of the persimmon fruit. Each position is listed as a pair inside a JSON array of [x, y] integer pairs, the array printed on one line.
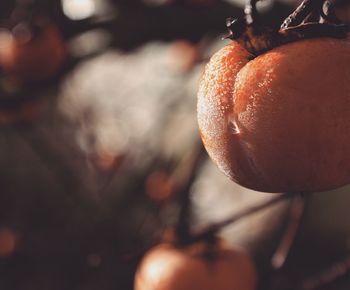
[[166, 267], [279, 121], [8, 242], [35, 59]]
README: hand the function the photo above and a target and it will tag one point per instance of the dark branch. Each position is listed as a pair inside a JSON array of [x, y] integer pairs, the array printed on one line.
[[214, 228], [302, 12]]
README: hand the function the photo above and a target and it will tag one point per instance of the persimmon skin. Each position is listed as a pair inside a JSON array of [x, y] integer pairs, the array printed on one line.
[[36, 60], [166, 267], [281, 121]]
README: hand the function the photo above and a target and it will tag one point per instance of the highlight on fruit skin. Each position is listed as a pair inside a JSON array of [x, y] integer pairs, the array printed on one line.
[[27, 58], [279, 121], [166, 267]]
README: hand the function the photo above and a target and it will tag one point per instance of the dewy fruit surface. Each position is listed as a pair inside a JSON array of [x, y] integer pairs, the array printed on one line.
[[281, 121]]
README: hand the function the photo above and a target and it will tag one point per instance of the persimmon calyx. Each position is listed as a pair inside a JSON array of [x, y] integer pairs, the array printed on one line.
[[299, 25]]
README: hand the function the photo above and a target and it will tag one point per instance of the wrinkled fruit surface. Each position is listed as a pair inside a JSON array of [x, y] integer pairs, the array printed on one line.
[[279, 122]]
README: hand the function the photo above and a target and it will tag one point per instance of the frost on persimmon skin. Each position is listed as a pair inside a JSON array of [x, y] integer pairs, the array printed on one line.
[[166, 267], [291, 107]]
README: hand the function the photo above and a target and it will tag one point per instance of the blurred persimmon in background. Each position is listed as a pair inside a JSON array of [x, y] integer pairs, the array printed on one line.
[[182, 56], [32, 55], [197, 266], [160, 186], [8, 242]]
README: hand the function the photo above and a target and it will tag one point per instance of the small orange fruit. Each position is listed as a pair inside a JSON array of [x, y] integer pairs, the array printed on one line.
[[166, 267], [279, 122], [26, 58], [8, 242]]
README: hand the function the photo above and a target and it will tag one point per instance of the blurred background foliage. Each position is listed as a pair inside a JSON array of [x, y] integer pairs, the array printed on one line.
[[98, 151]]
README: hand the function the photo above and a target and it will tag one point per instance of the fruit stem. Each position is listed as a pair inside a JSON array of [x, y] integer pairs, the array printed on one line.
[[301, 12], [299, 25], [250, 11], [328, 13]]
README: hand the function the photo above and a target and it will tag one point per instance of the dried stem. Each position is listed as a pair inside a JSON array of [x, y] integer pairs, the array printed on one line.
[[328, 13], [301, 12], [250, 11], [313, 18]]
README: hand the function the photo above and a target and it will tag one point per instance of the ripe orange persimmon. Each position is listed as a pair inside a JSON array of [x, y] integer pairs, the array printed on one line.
[[166, 267], [34, 59], [280, 121]]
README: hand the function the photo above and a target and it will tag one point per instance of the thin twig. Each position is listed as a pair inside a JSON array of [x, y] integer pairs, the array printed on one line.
[[215, 227], [331, 274], [288, 238], [185, 174]]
